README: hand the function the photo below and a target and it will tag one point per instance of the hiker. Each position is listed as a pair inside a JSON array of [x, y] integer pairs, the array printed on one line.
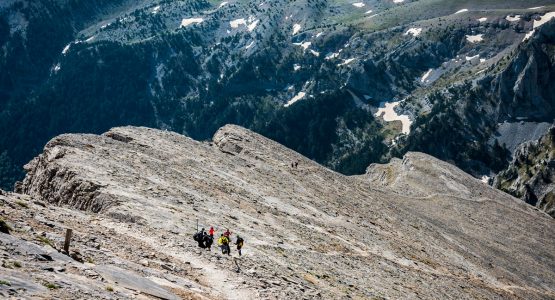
[[227, 234], [211, 232], [199, 237], [296, 164], [239, 244], [208, 241], [223, 242]]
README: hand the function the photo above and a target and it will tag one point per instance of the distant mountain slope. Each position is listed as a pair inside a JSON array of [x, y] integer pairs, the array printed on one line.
[[530, 175], [414, 228], [314, 75]]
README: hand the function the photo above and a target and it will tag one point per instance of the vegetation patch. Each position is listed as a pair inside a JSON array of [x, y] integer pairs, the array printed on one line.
[[51, 286]]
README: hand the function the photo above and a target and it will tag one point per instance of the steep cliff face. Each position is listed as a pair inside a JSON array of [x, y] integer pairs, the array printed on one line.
[[417, 227], [525, 87], [531, 174]]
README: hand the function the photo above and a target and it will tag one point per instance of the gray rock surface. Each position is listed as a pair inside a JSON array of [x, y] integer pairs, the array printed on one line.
[[415, 228], [531, 173]]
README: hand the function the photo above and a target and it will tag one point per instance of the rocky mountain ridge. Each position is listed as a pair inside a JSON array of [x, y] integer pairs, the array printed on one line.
[[416, 227]]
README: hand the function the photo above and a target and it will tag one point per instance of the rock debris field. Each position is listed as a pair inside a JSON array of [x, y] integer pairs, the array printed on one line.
[[416, 228]]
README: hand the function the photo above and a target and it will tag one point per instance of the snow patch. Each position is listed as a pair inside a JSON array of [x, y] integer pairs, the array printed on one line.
[[296, 28], [222, 4], [296, 98], [512, 19], [469, 58], [537, 23], [398, 1], [252, 25], [249, 45], [57, 68], [235, 23], [187, 22], [331, 55], [346, 61], [544, 19], [296, 67], [537, 7], [426, 75], [481, 20], [156, 9], [461, 11], [304, 45], [414, 31], [475, 38], [319, 34], [485, 179], [387, 112], [315, 53], [66, 49], [90, 39], [358, 4]]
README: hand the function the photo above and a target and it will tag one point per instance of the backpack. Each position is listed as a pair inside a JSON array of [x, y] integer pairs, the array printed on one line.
[[197, 236], [240, 242]]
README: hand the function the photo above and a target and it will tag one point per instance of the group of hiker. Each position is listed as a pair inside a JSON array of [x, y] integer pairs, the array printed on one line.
[[205, 240]]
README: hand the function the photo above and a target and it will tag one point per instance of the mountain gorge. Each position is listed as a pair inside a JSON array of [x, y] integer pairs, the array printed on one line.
[[344, 83]]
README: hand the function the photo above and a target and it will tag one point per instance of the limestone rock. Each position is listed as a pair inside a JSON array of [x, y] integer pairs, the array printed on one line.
[[415, 228]]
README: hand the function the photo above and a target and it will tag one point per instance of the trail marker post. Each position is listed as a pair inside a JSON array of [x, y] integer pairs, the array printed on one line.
[[69, 233]]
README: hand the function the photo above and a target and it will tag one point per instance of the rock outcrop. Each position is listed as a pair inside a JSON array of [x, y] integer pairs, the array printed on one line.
[[415, 228], [531, 174]]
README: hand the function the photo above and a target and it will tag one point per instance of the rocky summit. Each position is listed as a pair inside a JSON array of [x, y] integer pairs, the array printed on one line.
[[416, 228]]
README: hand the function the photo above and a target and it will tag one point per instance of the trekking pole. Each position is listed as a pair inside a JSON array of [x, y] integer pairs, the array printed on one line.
[[197, 226]]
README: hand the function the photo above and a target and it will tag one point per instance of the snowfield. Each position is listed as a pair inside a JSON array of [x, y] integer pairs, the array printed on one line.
[[358, 4], [475, 38], [346, 62], [414, 31], [469, 58], [461, 11], [235, 23], [187, 22], [512, 19], [252, 25], [66, 49], [304, 45], [297, 97], [331, 55], [537, 23], [296, 28], [426, 75], [387, 112]]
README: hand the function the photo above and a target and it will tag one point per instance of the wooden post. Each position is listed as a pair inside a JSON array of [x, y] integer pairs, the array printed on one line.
[[69, 232]]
